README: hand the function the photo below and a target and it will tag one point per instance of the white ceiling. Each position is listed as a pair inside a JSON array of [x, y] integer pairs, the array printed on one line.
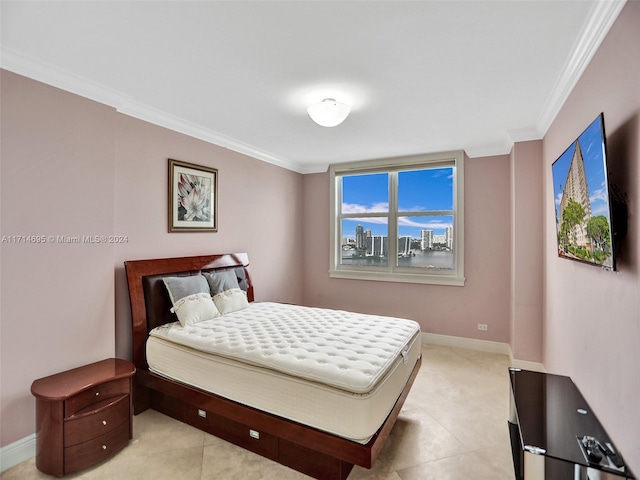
[[421, 76]]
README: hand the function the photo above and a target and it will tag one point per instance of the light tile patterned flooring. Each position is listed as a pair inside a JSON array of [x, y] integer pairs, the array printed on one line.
[[453, 427]]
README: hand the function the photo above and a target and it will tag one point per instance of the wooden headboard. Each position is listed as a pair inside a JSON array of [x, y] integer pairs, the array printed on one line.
[[150, 301]]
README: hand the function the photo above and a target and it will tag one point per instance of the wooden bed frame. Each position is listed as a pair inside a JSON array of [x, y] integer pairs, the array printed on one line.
[[313, 452]]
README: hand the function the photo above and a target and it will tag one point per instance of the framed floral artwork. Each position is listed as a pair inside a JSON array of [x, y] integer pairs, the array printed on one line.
[[193, 202]]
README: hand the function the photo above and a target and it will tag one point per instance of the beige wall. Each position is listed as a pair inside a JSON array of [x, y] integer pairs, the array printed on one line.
[[71, 166], [442, 310], [591, 316]]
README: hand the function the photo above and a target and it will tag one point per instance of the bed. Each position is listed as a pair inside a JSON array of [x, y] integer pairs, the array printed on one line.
[[273, 378]]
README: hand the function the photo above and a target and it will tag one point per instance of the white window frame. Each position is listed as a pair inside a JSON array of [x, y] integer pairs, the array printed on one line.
[[392, 273]]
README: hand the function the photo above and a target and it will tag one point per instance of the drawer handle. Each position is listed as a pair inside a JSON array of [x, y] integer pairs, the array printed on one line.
[[104, 422], [97, 393], [104, 447]]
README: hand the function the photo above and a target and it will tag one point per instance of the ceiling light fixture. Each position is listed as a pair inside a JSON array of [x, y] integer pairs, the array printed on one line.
[[328, 112]]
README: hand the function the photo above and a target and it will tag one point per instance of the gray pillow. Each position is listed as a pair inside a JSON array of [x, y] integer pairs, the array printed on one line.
[[180, 287], [221, 281]]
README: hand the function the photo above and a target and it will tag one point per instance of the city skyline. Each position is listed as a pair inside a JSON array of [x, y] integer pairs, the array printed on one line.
[[429, 251], [439, 237]]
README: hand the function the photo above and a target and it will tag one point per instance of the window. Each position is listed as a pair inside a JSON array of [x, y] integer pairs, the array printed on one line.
[[399, 220]]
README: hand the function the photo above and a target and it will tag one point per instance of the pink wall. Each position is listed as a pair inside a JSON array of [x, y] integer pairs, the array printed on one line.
[[592, 317], [526, 251], [439, 309], [71, 166], [57, 299]]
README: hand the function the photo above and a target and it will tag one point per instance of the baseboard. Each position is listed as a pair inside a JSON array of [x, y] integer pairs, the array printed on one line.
[[468, 343], [527, 365], [17, 452], [481, 346]]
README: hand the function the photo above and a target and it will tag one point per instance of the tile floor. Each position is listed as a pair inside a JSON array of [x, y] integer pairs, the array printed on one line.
[[453, 427]]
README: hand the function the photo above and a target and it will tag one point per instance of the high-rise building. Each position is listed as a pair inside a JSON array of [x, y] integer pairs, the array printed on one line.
[[448, 235], [426, 239], [377, 246], [361, 244], [404, 245], [576, 189]]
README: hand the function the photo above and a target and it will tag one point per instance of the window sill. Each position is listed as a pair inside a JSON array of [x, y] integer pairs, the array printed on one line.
[[449, 280]]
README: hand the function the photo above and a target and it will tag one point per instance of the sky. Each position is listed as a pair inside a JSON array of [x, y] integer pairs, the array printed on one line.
[[418, 191], [593, 153]]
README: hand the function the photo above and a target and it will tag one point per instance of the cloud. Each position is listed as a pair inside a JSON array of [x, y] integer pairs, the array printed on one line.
[[558, 199], [442, 172], [426, 224], [587, 150], [379, 207], [599, 194], [377, 220]]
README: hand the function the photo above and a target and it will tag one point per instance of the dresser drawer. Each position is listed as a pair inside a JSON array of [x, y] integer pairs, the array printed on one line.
[[96, 394], [109, 414], [87, 453]]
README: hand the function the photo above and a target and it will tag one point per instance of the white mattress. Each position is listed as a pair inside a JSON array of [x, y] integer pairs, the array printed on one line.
[[337, 371]]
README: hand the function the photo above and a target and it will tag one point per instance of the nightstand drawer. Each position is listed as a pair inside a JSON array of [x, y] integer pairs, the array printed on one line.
[[95, 394], [85, 425], [81, 410], [87, 453]]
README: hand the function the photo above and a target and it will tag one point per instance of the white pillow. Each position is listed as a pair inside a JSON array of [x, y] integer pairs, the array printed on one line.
[[195, 308], [231, 300]]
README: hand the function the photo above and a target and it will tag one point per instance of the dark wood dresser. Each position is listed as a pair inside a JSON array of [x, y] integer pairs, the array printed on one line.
[[83, 415], [549, 420]]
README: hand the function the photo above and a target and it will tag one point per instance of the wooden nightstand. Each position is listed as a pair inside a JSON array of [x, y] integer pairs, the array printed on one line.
[[82, 415]]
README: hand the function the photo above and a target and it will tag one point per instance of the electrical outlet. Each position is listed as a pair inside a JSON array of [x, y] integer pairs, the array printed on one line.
[[483, 327], [202, 413]]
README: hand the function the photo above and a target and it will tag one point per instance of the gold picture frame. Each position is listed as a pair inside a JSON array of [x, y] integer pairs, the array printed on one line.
[[193, 197]]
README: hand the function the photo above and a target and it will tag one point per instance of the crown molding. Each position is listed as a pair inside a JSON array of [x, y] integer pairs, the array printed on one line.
[[125, 104], [56, 77], [524, 135], [603, 15], [489, 150], [177, 124], [314, 168]]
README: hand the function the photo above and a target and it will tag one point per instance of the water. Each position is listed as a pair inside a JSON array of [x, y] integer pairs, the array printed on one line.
[[418, 259]]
